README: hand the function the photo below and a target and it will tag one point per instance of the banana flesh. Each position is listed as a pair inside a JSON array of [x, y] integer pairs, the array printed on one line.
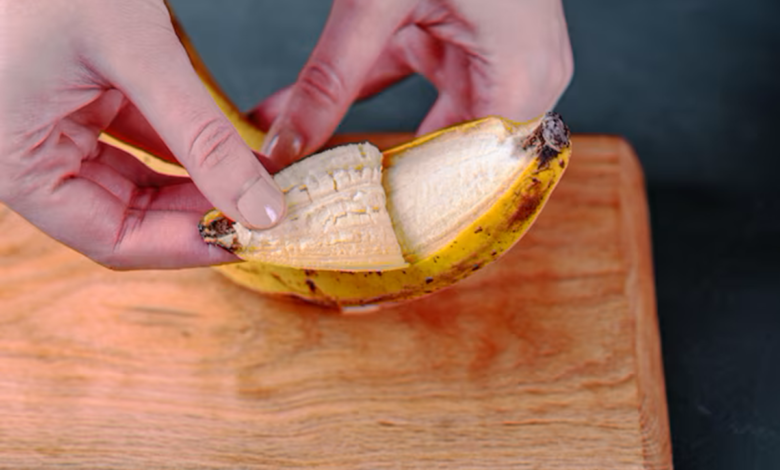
[[336, 216]]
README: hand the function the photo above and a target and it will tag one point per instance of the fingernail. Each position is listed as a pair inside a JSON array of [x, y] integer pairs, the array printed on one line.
[[269, 143], [262, 205], [282, 145]]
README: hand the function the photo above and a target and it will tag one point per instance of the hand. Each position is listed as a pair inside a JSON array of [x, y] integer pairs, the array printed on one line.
[[507, 57], [70, 69]]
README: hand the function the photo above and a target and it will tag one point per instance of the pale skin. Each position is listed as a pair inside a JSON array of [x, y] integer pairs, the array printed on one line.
[[70, 69]]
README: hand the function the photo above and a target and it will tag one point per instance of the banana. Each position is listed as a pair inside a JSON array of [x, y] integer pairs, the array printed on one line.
[[365, 227], [455, 201]]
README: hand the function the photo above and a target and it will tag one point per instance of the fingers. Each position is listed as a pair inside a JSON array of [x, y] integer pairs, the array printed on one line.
[[522, 63], [131, 126], [444, 112], [106, 214], [390, 68], [130, 172], [270, 108], [354, 36], [139, 233], [157, 77], [411, 49]]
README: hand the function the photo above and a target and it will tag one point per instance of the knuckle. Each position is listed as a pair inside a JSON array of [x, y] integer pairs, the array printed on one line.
[[552, 82], [210, 145], [322, 83], [565, 71]]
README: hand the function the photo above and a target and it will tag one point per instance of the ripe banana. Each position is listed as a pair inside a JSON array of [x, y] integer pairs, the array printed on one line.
[[454, 201]]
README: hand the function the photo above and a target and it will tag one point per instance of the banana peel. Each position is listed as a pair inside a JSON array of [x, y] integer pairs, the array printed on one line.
[[418, 227]]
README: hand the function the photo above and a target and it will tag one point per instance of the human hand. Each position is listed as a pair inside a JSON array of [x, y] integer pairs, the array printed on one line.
[[506, 57], [70, 69]]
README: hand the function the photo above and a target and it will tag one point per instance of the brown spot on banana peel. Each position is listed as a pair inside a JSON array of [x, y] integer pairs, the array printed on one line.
[[527, 208]]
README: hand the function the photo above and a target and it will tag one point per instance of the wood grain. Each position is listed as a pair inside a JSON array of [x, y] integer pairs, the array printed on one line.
[[548, 358]]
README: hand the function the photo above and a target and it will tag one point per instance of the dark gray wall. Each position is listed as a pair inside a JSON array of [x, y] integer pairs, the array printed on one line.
[[693, 86]]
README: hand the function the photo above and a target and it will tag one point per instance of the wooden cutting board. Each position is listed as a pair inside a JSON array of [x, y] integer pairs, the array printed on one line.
[[547, 359]]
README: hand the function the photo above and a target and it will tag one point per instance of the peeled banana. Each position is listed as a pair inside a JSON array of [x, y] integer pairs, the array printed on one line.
[[366, 228]]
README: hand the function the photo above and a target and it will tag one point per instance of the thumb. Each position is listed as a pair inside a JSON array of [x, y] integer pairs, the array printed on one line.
[[354, 36], [158, 78]]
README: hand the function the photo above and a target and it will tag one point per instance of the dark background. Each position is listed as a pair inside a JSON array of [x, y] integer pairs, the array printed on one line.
[[692, 84]]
